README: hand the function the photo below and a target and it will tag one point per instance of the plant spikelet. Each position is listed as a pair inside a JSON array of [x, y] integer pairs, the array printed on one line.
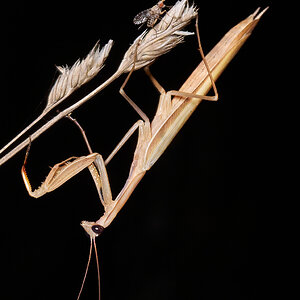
[[71, 78], [161, 38]]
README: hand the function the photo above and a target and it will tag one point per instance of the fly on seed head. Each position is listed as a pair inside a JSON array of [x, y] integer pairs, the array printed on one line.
[[150, 15]]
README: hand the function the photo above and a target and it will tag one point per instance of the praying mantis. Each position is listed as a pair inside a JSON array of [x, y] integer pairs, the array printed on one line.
[[153, 137]]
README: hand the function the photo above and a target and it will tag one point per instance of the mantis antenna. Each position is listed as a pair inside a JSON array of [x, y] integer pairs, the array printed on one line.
[[92, 244]]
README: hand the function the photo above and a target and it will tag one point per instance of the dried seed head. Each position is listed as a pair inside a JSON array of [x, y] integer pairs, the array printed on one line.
[[81, 72], [161, 38]]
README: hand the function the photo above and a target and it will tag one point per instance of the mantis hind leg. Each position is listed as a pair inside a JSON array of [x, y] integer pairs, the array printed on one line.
[[165, 104], [215, 97], [179, 93]]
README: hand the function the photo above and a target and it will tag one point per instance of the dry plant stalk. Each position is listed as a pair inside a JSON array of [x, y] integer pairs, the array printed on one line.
[[147, 47]]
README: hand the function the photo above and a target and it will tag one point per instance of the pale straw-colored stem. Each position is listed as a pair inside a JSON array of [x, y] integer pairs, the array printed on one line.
[[46, 126]]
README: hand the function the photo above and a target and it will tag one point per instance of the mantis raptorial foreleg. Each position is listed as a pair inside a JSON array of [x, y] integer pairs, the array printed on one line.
[[65, 170], [82, 132], [92, 167], [58, 175]]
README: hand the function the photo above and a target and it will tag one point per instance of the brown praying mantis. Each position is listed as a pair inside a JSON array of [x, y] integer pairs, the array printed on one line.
[[174, 109], [153, 139]]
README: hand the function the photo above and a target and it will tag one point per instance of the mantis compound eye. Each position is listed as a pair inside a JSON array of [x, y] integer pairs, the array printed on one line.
[[97, 229], [92, 228]]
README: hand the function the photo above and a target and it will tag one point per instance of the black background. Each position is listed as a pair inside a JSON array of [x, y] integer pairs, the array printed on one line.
[[189, 229]]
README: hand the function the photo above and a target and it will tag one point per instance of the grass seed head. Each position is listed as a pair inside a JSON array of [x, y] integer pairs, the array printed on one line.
[[71, 78], [161, 38]]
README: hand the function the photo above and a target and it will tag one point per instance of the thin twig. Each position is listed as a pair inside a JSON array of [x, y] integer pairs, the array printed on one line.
[[50, 123], [68, 81]]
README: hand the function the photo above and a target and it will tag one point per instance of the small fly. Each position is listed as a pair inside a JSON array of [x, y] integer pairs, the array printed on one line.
[[150, 15]]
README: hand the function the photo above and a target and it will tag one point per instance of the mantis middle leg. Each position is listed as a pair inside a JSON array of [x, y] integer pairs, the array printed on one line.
[[165, 105]]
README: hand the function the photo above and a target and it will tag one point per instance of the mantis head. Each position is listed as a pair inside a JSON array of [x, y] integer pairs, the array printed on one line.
[[92, 228]]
